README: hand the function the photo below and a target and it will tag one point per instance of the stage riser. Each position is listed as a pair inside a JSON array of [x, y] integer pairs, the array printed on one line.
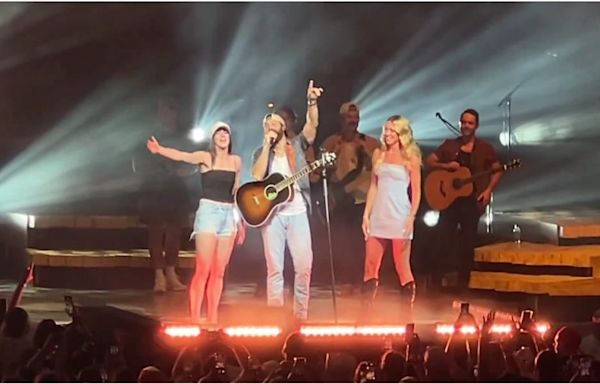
[[95, 239], [534, 269], [100, 278], [558, 228], [538, 269]]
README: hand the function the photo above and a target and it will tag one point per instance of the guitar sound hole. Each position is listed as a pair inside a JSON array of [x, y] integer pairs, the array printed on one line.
[[270, 192]]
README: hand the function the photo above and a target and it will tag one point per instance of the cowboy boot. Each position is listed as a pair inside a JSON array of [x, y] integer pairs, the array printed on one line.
[[368, 293], [409, 291]]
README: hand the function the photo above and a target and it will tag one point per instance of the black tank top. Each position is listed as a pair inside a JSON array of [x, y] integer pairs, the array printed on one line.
[[217, 185]]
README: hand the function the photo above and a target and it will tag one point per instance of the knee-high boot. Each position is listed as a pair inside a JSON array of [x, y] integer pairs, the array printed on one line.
[[409, 293], [367, 299]]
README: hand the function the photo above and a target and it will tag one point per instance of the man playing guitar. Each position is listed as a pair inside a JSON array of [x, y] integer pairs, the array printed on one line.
[[349, 184], [478, 156], [289, 224]]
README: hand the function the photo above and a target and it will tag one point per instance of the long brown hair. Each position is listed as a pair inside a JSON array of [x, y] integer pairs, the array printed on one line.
[[212, 149]]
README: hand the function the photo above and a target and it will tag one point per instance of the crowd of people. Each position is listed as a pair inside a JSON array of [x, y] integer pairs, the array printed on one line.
[[75, 352]]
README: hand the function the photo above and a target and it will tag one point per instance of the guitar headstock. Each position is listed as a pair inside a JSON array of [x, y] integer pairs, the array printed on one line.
[[327, 159], [514, 163]]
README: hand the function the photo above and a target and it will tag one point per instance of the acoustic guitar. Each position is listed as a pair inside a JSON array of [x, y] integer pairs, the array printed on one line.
[[257, 200], [443, 187]]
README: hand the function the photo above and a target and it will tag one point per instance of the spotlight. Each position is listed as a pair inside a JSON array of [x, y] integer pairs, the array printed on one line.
[[252, 331], [328, 330], [381, 330], [542, 328], [444, 329], [197, 134], [270, 105], [181, 331], [350, 330], [431, 218], [502, 329], [503, 137], [468, 329]]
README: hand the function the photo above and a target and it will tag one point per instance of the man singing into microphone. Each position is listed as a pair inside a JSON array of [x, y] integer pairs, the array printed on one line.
[[290, 222], [477, 155]]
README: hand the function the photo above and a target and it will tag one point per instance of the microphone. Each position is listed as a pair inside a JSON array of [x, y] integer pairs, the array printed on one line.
[[271, 141], [438, 115]]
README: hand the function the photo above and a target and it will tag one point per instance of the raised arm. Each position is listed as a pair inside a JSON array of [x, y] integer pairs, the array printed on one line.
[[198, 157], [312, 112]]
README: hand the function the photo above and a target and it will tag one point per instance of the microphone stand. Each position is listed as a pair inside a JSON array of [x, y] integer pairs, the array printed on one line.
[[328, 223], [506, 104], [449, 125]]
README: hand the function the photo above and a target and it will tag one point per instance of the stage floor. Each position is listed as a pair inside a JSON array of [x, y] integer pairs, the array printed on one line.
[[241, 306]]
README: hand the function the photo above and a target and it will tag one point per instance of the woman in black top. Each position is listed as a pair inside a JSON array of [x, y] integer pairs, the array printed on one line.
[[216, 226]]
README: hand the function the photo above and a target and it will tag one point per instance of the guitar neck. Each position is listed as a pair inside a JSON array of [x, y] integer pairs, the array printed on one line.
[[292, 179]]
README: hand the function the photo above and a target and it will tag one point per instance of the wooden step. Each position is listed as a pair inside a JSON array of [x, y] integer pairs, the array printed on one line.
[[84, 222], [76, 232], [136, 258], [532, 254], [553, 285], [538, 269]]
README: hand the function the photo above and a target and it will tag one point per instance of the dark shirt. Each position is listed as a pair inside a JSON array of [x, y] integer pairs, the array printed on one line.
[[480, 159]]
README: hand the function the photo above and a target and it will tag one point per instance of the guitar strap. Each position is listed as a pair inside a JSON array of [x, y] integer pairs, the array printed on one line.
[[291, 156]]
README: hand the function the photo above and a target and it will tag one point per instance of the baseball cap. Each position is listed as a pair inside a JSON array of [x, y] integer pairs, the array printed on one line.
[[349, 106], [220, 125]]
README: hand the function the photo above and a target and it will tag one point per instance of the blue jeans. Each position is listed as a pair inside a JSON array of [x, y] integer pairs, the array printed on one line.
[[295, 230], [215, 218]]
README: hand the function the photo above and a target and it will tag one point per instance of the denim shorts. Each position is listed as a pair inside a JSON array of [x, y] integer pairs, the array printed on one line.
[[215, 218]]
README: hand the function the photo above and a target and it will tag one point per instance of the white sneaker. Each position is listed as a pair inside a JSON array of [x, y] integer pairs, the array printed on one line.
[[160, 282]]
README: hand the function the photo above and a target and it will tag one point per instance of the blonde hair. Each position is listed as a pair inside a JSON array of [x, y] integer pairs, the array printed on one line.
[[408, 146]]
